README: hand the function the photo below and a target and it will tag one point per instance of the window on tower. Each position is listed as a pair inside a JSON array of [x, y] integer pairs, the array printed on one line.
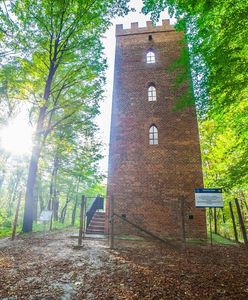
[[152, 96], [150, 57], [153, 135]]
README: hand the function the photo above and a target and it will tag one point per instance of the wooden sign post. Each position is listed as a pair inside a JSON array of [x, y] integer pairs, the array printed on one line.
[[210, 198]]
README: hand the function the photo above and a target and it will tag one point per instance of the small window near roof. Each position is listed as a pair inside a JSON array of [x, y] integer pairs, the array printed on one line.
[[149, 37], [153, 135], [150, 57], [152, 96]]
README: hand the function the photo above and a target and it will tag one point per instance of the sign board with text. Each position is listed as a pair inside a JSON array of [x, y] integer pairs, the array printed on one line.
[[46, 215], [208, 198]]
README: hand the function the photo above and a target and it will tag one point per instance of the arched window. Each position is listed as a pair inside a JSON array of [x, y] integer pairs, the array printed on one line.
[[153, 135], [152, 93], [150, 57]]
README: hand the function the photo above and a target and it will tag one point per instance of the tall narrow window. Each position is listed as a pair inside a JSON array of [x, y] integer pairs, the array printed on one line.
[[153, 135], [150, 57], [152, 93]]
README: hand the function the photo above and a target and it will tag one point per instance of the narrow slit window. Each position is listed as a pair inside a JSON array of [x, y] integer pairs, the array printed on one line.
[[153, 135], [150, 57], [152, 96]]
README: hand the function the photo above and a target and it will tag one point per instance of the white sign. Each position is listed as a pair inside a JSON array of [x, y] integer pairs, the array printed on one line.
[[46, 215], [208, 198]]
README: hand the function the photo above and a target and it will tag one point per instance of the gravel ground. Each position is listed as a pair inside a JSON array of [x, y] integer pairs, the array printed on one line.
[[49, 266]]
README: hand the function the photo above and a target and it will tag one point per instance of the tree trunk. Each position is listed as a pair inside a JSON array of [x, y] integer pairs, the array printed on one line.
[[215, 221], [49, 204], [13, 191], [223, 216], [73, 216], [16, 217], [53, 202], [32, 172], [63, 212], [233, 222], [244, 199], [40, 198], [241, 223], [29, 199], [246, 206], [55, 207], [35, 204], [38, 142]]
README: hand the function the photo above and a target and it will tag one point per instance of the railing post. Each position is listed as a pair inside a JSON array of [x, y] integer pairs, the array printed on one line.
[[241, 222], [234, 224], [85, 219], [111, 221]]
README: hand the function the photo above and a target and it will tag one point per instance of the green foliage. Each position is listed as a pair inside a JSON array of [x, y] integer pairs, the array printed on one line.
[[5, 223], [217, 32], [4, 220], [224, 155], [217, 35], [57, 66]]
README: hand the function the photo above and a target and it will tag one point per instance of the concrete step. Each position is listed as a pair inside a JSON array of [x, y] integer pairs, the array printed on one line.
[[95, 232], [96, 227], [97, 223], [99, 217], [100, 213]]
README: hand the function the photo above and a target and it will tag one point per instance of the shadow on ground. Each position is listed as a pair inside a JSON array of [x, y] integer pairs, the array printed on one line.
[[51, 267]]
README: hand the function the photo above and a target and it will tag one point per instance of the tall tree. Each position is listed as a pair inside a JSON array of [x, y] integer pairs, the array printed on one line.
[[58, 44], [217, 33]]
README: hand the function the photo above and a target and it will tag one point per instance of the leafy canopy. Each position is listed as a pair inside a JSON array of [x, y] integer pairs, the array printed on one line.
[[217, 35]]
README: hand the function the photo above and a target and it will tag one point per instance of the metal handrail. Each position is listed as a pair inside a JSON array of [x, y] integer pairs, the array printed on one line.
[[95, 205]]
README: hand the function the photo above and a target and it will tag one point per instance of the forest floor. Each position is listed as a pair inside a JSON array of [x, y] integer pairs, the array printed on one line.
[[49, 266]]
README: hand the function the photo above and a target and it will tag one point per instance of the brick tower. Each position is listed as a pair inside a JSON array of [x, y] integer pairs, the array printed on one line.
[[154, 157]]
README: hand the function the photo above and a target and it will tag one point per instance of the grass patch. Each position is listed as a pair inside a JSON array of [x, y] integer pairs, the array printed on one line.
[[37, 227], [5, 231], [129, 237], [191, 241], [217, 239]]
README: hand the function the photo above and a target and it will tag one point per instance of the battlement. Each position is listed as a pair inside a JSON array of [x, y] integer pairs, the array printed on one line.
[[135, 29]]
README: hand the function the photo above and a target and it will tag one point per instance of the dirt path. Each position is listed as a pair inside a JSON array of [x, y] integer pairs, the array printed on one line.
[[48, 267]]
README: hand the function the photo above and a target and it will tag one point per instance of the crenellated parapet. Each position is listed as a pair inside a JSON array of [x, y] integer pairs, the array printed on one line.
[[135, 29]]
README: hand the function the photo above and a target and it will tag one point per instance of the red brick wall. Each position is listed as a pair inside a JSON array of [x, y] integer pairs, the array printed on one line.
[[145, 180]]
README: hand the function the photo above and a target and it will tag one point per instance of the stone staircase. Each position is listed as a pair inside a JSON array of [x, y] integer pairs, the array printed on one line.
[[96, 225]]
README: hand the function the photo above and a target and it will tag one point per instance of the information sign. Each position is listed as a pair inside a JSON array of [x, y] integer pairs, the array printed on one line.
[[208, 198], [46, 215]]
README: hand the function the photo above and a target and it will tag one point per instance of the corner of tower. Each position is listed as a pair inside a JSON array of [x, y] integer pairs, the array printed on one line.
[[150, 28]]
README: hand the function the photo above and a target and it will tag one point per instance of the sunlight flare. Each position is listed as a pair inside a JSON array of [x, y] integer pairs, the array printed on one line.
[[16, 137]]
